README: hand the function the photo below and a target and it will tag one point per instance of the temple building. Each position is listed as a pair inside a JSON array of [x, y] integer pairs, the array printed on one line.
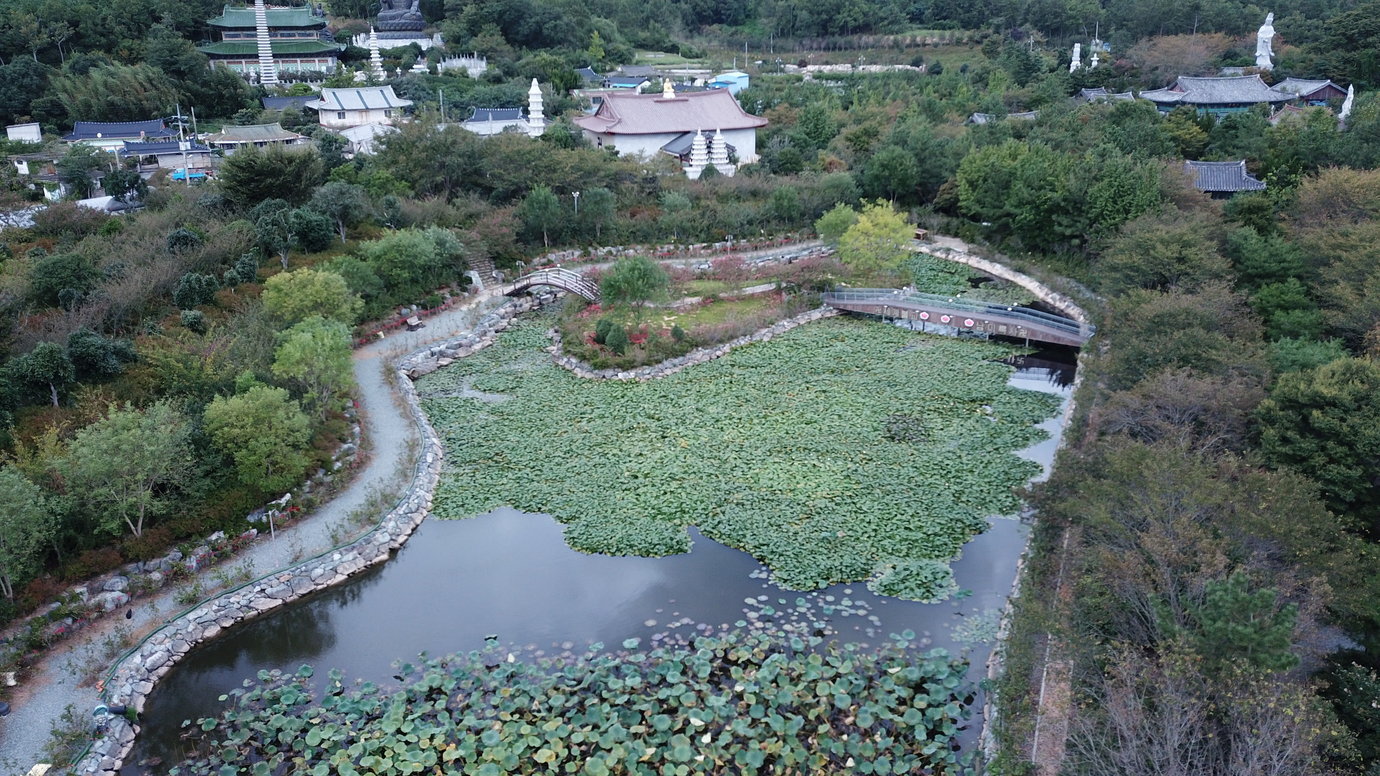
[[285, 40], [1312, 92], [1222, 179], [1216, 95], [354, 107], [232, 138], [649, 124]]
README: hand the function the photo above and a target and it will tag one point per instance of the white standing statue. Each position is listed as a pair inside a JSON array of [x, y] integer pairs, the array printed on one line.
[[1092, 63], [1264, 45], [1077, 61], [1347, 103]]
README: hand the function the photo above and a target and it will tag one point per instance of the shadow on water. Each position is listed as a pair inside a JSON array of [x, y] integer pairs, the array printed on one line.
[[511, 574]]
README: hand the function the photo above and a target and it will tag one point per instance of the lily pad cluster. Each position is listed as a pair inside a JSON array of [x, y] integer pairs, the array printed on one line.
[[733, 702], [841, 451]]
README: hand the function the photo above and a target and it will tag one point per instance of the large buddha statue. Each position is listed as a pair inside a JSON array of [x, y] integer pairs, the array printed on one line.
[[399, 16]]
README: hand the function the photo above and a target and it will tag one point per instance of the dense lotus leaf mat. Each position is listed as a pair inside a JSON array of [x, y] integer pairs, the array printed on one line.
[[843, 450]]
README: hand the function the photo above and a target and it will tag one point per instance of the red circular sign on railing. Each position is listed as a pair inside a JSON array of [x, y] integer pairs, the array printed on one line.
[[946, 318], [924, 316], [968, 322]]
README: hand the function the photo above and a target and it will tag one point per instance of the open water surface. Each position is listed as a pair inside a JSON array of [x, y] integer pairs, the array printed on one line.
[[510, 575]]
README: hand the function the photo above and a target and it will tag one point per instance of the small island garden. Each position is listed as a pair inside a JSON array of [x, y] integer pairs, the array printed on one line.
[[843, 450]]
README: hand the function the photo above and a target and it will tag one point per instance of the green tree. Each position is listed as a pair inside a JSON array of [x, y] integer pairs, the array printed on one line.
[[115, 92], [315, 356], [634, 280], [878, 241], [541, 213], [95, 357], [253, 175], [832, 225], [265, 432], [596, 211], [195, 289], [1160, 251], [295, 296], [51, 275], [675, 212], [274, 234], [1325, 423], [407, 262], [891, 174], [125, 465], [75, 167], [1234, 623], [345, 204], [311, 231], [27, 526], [46, 366]]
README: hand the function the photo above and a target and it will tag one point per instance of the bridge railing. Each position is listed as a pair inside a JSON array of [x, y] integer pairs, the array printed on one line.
[[957, 304], [560, 278]]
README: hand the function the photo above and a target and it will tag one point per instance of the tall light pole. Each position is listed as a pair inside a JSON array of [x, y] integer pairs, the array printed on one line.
[[577, 203]]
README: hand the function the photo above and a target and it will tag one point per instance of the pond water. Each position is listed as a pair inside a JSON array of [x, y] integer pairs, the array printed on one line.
[[510, 576]]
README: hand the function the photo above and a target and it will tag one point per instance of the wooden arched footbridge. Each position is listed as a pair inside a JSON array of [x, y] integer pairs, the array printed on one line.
[[962, 314], [556, 277]]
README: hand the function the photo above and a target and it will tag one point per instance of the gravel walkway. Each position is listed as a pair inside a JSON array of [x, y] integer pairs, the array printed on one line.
[[56, 682]]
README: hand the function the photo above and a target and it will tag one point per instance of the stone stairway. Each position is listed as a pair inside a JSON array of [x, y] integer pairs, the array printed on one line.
[[484, 268]]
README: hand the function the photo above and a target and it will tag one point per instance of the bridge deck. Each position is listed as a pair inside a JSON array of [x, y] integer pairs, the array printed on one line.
[[962, 314], [557, 277]]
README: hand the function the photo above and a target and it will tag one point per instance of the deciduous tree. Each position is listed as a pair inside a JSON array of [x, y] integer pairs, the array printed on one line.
[[264, 432], [295, 296], [26, 527], [878, 241], [315, 355], [125, 465]]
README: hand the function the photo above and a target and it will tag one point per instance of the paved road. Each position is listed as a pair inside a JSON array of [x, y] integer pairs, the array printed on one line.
[[388, 433]]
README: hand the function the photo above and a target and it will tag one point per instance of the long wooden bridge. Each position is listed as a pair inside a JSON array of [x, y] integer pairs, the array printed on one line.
[[962, 314], [557, 277]]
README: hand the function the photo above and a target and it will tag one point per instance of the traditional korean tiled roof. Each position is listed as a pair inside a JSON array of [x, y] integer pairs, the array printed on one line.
[[1093, 95], [500, 115], [636, 71], [1229, 90], [240, 18], [1222, 177], [626, 113], [625, 82], [159, 148], [253, 133], [1288, 111], [283, 103], [119, 130], [988, 118], [1305, 88], [249, 48], [588, 75], [362, 98]]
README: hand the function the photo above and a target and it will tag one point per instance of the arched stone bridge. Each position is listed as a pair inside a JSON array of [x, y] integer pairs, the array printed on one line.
[[556, 277], [962, 314]]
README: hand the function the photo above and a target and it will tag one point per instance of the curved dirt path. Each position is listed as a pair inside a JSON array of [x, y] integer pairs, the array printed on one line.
[[389, 434]]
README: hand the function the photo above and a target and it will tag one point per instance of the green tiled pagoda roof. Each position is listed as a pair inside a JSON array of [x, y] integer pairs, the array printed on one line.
[[248, 48], [277, 17]]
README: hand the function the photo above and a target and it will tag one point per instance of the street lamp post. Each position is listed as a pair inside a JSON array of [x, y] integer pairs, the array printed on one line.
[[577, 203]]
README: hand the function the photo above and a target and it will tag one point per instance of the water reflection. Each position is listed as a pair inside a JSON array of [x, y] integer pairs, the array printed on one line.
[[512, 575]]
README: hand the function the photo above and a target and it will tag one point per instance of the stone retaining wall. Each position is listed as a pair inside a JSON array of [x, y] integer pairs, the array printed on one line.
[[673, 365], [133, 677]]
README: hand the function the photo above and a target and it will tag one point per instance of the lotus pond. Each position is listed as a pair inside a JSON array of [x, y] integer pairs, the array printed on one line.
[[842, 451], [682, 632]]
